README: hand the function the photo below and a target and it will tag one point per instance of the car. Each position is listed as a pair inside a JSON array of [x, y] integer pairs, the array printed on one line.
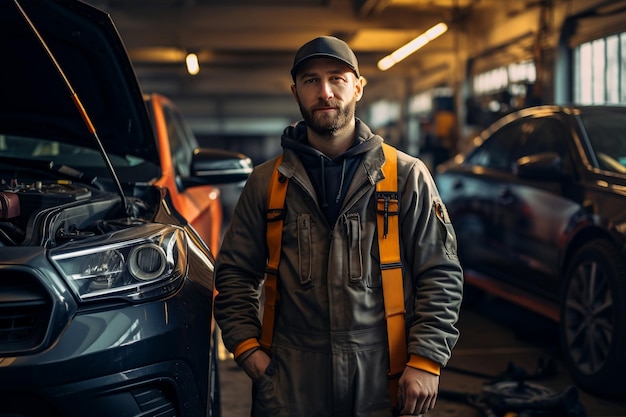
[[106, 274], [539, 207]]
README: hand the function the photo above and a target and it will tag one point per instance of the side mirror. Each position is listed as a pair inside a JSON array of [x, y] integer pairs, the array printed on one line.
[[542, 166], [216, 166]]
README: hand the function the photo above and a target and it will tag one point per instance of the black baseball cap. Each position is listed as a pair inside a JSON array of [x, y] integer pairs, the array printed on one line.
[[325, 47]]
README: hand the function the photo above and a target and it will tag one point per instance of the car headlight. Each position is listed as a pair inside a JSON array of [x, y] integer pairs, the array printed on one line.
[[134, 264]]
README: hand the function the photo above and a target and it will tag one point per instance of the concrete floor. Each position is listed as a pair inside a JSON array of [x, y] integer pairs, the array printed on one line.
[[493, 337]]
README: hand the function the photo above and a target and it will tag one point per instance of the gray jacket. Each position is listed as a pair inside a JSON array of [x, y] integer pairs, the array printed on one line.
[[329, 355]]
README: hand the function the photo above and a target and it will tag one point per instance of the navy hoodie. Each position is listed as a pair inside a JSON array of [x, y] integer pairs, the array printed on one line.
[[330, 177]]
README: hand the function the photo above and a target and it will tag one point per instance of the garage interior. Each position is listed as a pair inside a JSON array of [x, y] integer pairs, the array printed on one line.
[[241, 96], [241, 100]]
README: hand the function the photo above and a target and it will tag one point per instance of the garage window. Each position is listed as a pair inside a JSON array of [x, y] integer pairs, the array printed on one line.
[[599, 72]]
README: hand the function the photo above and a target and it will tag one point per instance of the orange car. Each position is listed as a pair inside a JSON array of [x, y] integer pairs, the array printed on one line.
[[181, 158]]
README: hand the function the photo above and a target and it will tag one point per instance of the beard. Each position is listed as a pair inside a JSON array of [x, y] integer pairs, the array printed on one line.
[[325, 124]]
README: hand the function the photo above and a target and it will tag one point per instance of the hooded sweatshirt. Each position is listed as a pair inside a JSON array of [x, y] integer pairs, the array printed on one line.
[[330, 177]]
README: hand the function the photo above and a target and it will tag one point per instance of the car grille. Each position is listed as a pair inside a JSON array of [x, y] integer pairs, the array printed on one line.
[[25, 309], [154, 401]]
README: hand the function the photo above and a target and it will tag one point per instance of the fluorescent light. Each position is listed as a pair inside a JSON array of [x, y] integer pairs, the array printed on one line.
[[192, 64], [406, 50]]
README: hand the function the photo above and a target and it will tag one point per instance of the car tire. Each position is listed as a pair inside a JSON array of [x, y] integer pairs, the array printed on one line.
[[593, 318]]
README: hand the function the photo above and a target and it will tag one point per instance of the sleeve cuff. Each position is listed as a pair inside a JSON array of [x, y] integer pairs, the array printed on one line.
[[419, 362], [244, 346]]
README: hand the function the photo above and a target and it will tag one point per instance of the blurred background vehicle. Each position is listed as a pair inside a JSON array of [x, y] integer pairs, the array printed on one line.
[[539, 210], [106, 283], [194, 176]]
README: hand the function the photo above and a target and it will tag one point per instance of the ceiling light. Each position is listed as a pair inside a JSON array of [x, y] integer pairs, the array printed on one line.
[[193, 67], [406, 50]]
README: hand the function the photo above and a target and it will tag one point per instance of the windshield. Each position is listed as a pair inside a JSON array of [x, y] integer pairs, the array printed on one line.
[[606, 131], [57, 152], [19, 154]]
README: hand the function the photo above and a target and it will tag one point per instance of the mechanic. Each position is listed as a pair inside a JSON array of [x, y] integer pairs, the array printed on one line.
[[329, 353]]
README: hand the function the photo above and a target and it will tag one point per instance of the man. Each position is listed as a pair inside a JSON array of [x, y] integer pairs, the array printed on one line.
[[329, 353]]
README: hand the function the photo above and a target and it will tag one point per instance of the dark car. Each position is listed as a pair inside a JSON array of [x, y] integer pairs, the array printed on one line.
[[106, 289], [539, 206]]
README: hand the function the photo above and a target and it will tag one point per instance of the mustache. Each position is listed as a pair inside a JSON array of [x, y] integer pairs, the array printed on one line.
[[325, 105]]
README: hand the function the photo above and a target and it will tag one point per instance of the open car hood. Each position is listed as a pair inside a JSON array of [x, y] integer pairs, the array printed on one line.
[[36, 101]]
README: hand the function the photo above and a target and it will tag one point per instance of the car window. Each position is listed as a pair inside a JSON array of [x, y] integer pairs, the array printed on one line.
[[14, 146], [606, 132], [541, 136], [495, 152], [524, 137], [182, 142]]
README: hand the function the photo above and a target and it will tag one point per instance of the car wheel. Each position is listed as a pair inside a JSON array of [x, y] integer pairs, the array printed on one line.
[[593, 318]]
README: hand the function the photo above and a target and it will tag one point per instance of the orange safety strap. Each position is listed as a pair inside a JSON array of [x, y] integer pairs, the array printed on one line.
[[388, 204], [275, 215]]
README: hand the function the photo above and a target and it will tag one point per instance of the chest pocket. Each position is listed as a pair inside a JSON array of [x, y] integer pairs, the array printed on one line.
[[353, 237], [305, 248]]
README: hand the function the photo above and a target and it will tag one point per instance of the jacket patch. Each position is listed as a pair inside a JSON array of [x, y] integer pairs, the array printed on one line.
[[441, 211]]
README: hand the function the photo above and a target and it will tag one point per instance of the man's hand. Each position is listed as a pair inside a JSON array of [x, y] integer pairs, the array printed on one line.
[[417, 391], [256, 364]]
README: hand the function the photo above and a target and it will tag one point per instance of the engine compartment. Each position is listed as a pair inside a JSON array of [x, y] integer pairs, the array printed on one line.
[[45, 212]]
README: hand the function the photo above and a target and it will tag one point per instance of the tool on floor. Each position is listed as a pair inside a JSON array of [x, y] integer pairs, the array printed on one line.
[[510, 394]]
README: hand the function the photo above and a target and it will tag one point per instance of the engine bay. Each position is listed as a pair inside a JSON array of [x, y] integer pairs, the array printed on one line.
[[46, 212]]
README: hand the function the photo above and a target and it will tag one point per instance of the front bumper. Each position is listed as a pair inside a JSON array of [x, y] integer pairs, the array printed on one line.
[[122, 359]]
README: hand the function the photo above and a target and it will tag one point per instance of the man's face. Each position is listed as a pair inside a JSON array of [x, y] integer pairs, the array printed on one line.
[[327, 91]]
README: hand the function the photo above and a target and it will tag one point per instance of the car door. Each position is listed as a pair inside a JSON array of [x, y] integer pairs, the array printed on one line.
[[476, 207], [534, 210], [520, 219]]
